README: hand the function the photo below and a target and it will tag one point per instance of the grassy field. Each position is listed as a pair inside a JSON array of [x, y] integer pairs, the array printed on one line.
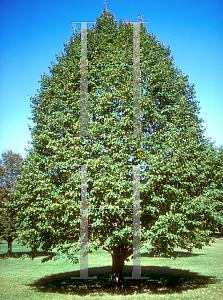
[[196, 275]]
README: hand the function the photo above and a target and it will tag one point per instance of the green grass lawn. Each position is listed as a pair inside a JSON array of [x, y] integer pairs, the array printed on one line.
[[196, 275]]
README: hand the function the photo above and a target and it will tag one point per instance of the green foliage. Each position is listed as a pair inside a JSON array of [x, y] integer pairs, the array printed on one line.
[[178, 193], [10, 168]]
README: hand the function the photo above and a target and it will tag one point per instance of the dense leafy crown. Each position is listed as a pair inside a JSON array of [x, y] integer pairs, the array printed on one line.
[[172, 150]]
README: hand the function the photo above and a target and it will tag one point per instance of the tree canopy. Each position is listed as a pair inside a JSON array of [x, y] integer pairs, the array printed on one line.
[[171, 150]]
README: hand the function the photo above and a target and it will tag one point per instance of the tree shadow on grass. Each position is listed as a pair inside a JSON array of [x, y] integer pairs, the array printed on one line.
[[218, 235], [175, 254], [163, 280], [25, 253]]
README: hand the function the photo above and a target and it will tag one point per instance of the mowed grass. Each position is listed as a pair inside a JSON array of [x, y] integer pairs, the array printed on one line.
[[196, 275]]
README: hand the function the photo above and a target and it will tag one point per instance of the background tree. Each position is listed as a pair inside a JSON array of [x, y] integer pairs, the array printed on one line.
[[175, 210], [10, 168]]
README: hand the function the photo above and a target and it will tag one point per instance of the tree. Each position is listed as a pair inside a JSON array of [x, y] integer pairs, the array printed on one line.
[[10, 168], [171, 150], [214, 182]]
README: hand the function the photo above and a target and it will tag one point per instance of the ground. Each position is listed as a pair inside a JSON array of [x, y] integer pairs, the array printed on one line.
[[196, 275]]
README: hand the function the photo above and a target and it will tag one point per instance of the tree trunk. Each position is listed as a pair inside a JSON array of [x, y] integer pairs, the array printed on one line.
[[10, 245], [117, 267]]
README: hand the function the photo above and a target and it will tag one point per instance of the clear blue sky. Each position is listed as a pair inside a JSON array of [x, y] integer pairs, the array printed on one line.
[[31, 32]]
